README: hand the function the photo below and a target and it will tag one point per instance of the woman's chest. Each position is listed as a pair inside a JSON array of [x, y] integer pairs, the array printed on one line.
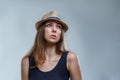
[[48, 65]]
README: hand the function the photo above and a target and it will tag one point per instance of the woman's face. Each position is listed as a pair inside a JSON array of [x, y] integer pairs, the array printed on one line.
[[52, 31]]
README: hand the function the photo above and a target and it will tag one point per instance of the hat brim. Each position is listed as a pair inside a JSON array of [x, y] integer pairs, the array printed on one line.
[[39, 23]]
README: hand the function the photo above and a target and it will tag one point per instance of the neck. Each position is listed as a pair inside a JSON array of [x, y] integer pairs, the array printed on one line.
[[50, 51]]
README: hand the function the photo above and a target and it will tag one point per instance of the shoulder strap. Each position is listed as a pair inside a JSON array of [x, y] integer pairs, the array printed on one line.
[[31, 61]]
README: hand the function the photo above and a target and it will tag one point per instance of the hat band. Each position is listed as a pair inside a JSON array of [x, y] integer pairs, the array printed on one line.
[[51, 17]]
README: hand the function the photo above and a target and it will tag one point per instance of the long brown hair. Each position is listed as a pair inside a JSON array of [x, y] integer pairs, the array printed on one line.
[[38, 48]]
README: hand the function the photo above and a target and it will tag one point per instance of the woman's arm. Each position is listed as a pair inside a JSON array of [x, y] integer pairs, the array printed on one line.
[[73, 66], [24, 68]]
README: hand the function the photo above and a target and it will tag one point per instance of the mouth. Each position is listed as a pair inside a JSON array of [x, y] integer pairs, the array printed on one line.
[[53, 36]]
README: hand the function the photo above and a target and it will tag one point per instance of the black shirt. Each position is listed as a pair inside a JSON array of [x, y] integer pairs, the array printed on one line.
[[59, 72]]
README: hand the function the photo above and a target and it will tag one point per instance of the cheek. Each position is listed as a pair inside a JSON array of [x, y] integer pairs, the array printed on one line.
[[59, 34], [46, 32]]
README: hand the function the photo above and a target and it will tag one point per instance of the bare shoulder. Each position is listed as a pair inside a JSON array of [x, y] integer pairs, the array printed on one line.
[[71, 56], [72, 60], [73, 66], [25, 60], [25, 68]]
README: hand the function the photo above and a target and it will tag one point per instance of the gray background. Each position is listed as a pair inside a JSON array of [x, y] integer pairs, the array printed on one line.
[[94, 34]]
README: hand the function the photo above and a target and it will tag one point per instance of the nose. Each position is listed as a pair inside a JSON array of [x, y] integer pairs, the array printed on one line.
[[54, 29]]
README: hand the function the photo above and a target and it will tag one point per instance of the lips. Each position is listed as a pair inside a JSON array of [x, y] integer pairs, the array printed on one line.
[[53, 36]]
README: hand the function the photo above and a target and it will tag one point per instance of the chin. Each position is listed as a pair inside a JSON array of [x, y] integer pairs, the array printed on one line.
[[52, 41]]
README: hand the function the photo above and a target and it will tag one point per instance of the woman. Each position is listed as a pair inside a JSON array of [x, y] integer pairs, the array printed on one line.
[[48, 59]]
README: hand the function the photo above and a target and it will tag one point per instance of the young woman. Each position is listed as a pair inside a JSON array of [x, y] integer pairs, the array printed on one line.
[[48, 59]]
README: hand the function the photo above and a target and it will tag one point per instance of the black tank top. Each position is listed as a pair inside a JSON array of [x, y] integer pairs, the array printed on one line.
[[59, 72]]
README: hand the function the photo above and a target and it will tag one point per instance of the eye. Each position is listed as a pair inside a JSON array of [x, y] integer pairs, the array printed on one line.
[[59, 26], [48, 24]]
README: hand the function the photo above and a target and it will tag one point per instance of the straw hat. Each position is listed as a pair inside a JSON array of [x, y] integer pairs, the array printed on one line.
[[52, 15]]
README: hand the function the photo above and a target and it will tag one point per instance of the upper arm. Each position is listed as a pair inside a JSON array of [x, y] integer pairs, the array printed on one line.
[[73, 66], [24, 68]]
